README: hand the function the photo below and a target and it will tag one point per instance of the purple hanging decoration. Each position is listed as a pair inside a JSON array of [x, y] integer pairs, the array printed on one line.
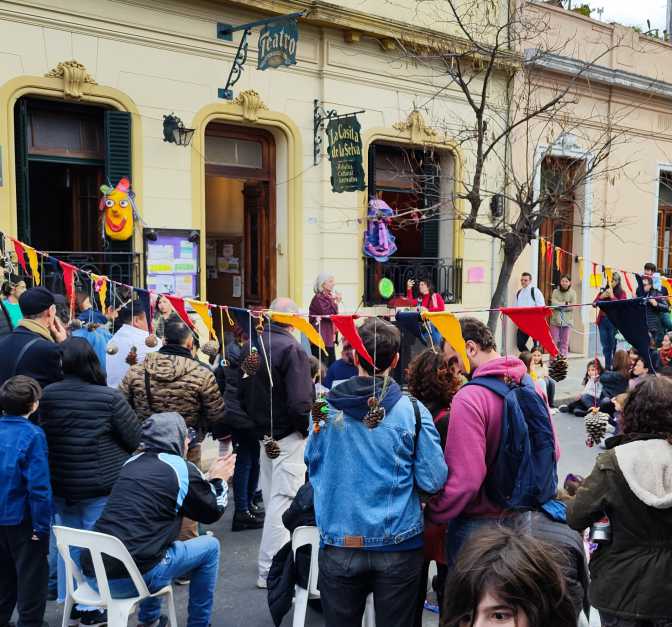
[[378, 241]]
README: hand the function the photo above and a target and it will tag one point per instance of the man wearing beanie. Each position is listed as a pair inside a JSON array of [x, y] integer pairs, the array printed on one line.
[[32, 348]]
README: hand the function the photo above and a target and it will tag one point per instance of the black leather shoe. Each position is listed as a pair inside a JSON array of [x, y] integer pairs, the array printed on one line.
[[257, 511], [245, 520]]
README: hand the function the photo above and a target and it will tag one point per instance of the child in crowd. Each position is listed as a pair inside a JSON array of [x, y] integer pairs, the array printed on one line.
[[592, 393], [342, 369], [317, 373], [510, 579], [665, 351], [639, 372], [25, 504], [617, 421], [540, 371]]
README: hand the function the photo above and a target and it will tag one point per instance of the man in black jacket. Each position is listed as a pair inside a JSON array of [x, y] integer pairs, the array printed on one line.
[[32, 349], [284, 416], [154, 490]]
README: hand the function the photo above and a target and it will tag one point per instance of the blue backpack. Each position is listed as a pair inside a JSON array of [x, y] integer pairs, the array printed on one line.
[[524, 472]]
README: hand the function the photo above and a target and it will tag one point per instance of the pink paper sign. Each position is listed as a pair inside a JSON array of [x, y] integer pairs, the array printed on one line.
[[476, 274]]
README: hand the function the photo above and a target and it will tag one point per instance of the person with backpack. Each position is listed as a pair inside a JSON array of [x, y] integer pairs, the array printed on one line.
[[527, 296], [369, 457], [493, 466]]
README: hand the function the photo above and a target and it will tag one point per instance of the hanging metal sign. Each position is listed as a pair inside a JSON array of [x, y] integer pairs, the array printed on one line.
[[345, 154], [277, 44]]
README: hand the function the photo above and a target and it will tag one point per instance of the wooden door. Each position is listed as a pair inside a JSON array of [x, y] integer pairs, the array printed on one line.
[[259, 245], [559, 231], [664, 260]]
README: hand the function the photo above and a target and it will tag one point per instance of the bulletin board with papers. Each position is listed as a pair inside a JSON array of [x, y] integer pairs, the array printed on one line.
[[172, 263]]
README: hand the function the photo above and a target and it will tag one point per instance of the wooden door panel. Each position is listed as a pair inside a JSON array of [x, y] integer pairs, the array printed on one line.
[[259, 245]]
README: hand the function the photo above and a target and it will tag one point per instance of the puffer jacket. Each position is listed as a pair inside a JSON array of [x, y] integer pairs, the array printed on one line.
[[631, 576], [177, 383], [234, 417], [91, 431]]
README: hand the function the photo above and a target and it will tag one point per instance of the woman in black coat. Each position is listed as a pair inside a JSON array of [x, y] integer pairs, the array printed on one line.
[[91, 431]]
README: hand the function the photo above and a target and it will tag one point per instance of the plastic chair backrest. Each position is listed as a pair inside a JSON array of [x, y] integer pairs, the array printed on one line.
[[311, 536], [97, 544]]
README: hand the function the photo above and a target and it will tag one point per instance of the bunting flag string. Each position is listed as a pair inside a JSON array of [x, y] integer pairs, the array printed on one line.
[[178, 306], [33, 263], [345, 325], [301, 324], [20, 254], [627, 282], [69, 282], [100, 286], [203, 311], [534, 322], [449, 328]]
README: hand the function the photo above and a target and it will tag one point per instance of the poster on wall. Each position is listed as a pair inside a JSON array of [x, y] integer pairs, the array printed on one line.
[[345, 154], [172, 263]]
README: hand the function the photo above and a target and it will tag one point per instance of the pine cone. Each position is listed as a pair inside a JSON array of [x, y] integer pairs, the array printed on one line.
[[112, 348], [132, 357], [557, 369], [271, 446], [151, 341], [319, 413], [251, 363], [596, 426], [375, 414]]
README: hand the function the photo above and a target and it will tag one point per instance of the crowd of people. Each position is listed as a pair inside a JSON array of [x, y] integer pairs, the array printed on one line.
[[455, 465]]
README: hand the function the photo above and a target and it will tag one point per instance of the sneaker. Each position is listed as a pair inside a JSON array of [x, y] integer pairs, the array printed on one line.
[[93, 618], [580, 413], [554, 410], [162, 622], [564, 409], [182, 581], [244, 520], [261, 583]]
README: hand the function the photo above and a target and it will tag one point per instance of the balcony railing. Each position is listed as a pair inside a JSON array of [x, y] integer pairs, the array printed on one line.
[[446, 276], [123, 267]]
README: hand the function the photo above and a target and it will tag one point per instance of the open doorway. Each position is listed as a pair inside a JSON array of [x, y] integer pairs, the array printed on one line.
[[240, 216]]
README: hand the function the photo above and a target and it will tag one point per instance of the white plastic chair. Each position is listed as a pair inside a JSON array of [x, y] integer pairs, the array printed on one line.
[[311, 536], [118, 610]]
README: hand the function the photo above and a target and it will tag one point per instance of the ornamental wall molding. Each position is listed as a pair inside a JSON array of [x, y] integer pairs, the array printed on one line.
[[251, 103], [74, 77], [417, 128]]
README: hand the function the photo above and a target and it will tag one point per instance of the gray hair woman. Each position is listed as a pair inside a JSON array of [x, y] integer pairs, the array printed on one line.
[[325, 303]]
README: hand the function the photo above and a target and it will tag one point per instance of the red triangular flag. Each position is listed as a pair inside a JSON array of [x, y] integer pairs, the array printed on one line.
[[69, 281], [346, 327], [178, 306], [20, 253], [534, 322], [549, 253], [627, 281]]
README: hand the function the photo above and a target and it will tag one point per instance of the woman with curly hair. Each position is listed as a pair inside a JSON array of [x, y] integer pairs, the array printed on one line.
[[506, 578], [631, 485], [433, 380]]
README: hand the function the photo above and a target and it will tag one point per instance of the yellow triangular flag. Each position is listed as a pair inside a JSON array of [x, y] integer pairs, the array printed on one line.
[[665, 282], [580, 268], [542, 243], [449, 328], [302, 325], [608, 270], [558, 252], [203, 311], [100, 284], [32, 262]]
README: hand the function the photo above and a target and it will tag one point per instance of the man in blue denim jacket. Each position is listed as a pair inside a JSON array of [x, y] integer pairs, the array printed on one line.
[[367, 475], [25, 505]]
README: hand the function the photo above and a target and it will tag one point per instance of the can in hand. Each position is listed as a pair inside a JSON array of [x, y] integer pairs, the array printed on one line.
[[600, 532]]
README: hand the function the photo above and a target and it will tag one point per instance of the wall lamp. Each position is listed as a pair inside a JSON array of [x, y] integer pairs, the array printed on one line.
[[174, 131]]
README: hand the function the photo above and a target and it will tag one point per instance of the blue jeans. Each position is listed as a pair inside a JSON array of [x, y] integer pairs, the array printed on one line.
[[608, 340], [198, 558], [78, 515], [246, 472]]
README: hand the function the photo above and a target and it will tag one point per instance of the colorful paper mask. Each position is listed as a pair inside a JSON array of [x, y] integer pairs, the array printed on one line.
[[118, 207]]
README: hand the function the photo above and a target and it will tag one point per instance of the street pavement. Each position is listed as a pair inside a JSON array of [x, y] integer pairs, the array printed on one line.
[[238, 603]]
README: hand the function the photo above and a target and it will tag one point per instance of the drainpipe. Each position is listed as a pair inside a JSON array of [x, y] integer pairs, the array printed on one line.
[[668, 20]]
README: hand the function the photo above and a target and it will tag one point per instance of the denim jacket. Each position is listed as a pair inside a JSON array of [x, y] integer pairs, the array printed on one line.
[[365, 479], [24, 474]]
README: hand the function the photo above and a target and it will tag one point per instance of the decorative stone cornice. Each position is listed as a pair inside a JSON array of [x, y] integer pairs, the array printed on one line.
[[74, 77], [251, 103], [416, 127]]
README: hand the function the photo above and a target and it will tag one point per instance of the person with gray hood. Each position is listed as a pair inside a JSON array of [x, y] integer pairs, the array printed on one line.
[[155, 489], [631, 489]]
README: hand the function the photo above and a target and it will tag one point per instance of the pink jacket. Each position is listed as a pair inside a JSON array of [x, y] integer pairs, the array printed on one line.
[[471, 446]]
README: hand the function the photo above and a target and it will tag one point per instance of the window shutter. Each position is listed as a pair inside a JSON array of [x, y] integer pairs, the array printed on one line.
[[431, 197], [21, 152], [117, 146]]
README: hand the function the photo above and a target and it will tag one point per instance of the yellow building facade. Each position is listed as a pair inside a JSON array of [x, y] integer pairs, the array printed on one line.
[[85, 86]]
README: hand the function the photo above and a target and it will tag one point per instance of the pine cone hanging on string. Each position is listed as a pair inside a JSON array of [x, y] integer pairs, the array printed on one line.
[[319, 413], [210, 348], [132, 357], [151, 341], [557, 369], [251, 363], [596, 423], [112, 348], [271, 446], [375, 414]]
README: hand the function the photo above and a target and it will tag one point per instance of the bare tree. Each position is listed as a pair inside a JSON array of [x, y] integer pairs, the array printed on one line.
[[509, 54]]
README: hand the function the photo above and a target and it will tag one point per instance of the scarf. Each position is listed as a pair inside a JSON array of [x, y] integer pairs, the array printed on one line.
[[36, 327]]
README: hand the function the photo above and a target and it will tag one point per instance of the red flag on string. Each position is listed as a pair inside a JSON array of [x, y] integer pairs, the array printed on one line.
[[627, 281], [549, 253], [69, 281], [534, 322], [178, 306], [20, 253], [346, 327]]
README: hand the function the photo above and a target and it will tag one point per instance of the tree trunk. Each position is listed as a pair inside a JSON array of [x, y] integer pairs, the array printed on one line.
[[511, 254]]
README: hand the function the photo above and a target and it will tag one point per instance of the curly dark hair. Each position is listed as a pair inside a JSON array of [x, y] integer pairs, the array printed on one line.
[[431, 381], [648, 408], [479, 333]]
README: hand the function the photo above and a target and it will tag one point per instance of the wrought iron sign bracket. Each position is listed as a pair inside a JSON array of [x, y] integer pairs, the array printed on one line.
[[320, 116], [225, 33]]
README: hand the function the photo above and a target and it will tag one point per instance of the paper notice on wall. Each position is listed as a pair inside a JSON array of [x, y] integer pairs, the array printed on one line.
[[476, 274], [229, 265], [186, 249], [184, 285], [159, 251], [161, 266], [237, 289], [187, 266], [227, 250], [125, 338], [162, 284]]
